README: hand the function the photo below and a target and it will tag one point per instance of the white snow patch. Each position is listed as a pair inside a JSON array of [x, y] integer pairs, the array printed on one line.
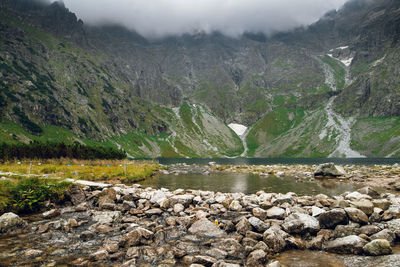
[[347, 62], [343, 47], [239, 129], [323, 134]]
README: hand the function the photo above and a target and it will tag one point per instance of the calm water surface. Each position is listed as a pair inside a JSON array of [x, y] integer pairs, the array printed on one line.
[[288, 161], [246, 183]]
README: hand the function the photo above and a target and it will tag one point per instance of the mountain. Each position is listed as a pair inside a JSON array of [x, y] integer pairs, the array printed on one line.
[[330, 89]]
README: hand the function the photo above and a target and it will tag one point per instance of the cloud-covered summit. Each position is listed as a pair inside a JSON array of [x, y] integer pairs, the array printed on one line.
[[159, 18]]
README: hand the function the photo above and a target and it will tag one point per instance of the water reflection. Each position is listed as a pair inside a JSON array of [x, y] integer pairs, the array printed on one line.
[[246, 183]]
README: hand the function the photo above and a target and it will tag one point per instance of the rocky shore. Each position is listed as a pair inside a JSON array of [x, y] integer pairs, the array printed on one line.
[[120, 225], [384, 176]]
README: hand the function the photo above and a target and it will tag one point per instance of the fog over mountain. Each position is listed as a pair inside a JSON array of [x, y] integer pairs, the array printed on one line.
[[159, 18]]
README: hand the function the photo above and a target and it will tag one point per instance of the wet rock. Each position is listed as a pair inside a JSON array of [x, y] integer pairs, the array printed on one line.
[[378, 247], [300, 223], [274, 238], [332, 218], [10, 222], [256, 258], [357, 215], [204, 227], [385, 234], [316, 242], [51, 213], [259, 225], [276, 213], [346, 245], [329, 169]]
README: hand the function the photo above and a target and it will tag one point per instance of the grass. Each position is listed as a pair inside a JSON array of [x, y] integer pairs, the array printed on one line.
[[339, 72], [93, 170]]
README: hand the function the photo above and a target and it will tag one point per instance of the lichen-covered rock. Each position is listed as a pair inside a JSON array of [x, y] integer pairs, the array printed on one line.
[[378, 247]]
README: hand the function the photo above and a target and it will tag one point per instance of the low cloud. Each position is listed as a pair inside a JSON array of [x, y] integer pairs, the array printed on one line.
[[159, 18]]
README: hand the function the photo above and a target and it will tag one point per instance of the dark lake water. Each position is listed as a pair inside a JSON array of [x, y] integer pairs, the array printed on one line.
[[246, 183], [289, 161]]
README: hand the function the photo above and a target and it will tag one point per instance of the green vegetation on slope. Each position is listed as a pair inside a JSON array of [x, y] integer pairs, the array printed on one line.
[[339, 73], [377, 137]]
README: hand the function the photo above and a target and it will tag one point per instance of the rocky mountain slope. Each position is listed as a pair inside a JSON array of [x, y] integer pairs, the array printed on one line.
[[331, 89]]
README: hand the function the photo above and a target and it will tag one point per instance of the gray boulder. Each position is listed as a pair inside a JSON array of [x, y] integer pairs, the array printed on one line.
[[346, 245], [204, 227], [300, 223], [329, 169]]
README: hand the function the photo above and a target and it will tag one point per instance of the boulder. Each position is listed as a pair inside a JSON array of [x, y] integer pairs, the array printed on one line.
[[300, 223], [383, 204], [235, 206], [385, 234], [365, 205], [204, 227], [332, 218], [243, 226], [276, 213], [256, 258], [274, 238], [10, 222], [378, 247], [346, 245], [231, 246], [357, 215], [329, 169], [259, 225], [260, 213]]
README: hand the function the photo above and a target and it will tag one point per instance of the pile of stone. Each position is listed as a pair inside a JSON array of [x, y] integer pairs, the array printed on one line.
[[130, 225]]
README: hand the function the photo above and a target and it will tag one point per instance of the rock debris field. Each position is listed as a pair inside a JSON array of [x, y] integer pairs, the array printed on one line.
[[120, 225]]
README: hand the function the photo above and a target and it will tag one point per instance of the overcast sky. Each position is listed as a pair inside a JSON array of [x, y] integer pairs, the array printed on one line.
[[158, 18]]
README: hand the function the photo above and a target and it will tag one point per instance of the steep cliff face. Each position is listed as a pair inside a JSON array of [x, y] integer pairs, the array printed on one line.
[[107, 84]]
